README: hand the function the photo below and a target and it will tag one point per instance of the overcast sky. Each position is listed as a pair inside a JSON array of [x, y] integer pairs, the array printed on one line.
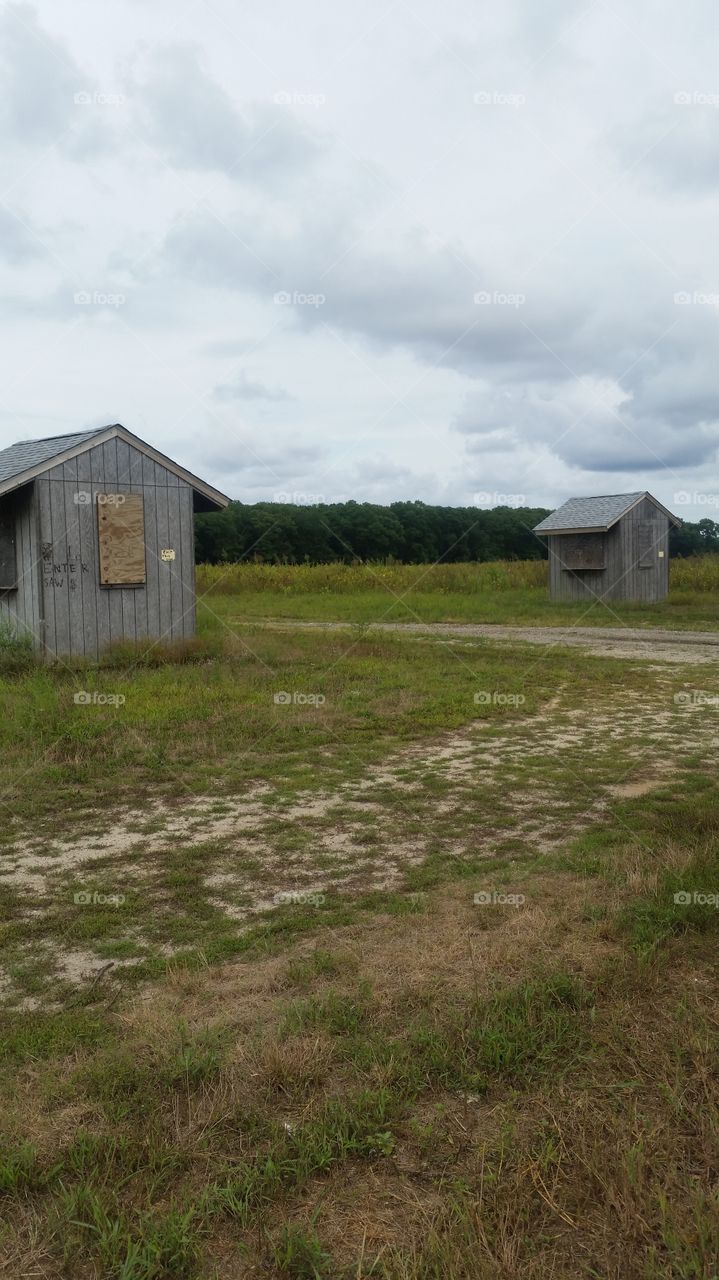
[[384, 250]]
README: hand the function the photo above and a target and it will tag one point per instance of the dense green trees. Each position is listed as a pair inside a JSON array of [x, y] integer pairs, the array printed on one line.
[[410, 532], [695, 539]]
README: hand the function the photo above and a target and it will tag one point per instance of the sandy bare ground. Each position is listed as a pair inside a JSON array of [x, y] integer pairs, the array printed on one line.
[[477, 793], [652, 644]]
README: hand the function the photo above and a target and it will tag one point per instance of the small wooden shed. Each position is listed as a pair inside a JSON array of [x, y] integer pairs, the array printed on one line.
[[614, 547], [97, 541]]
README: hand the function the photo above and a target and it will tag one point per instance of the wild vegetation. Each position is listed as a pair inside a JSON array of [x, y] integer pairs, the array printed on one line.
[[695, 574], [340, 955], [509, 591]]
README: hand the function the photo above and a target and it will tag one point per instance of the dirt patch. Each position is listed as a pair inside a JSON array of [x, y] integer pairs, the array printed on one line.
[[630, 789], [649, 644]]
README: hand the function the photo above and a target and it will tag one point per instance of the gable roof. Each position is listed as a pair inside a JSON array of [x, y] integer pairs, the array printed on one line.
[[595, 515], [28, 459]]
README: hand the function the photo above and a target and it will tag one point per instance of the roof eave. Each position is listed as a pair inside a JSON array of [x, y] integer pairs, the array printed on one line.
[[594, 528], [218, 501]]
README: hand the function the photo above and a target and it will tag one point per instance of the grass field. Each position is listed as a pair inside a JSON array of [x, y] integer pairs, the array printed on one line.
[[507, 592], [339, 954]]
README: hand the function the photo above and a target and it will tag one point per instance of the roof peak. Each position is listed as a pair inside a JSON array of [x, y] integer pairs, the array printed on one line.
[[589, 497], [596, 513]]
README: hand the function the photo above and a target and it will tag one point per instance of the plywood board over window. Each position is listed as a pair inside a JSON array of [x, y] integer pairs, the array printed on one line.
[[121, 532], [582, 551], [8, 561]]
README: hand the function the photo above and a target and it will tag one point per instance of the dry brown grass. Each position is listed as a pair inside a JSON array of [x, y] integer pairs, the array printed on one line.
[[608, 1169], [580, 1178]]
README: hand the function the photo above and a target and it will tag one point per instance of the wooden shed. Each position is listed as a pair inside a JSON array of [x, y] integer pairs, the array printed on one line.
[[614, 547], [97, 541]]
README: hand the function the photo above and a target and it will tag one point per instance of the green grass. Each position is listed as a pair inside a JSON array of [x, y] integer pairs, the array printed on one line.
[[374, 688], [98, 1193], [153, 904], [516, 1094], [300, 1254], [61, 761], [682, 611], [508, 592], [20, 1171]]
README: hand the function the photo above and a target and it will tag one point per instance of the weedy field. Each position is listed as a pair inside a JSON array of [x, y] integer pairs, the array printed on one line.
[[500, 592], [349, 954]]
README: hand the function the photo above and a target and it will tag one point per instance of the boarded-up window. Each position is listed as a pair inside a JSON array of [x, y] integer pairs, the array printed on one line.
[[8, 562], [121, 530], [646, 536], [581, 551]]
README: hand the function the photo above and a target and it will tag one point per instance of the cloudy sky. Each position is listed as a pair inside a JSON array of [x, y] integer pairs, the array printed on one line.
[[383, 250]]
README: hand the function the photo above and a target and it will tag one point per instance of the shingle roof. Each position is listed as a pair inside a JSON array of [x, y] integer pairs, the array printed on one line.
[[26, 454], [27, 459], [590, 513]]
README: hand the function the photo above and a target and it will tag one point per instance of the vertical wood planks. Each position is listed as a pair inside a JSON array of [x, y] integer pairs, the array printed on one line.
[[60, 595], [627, 550]]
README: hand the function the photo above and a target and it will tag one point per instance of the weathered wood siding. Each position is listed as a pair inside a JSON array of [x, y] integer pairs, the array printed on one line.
[[627, 551], [20, 609], [82, 617]]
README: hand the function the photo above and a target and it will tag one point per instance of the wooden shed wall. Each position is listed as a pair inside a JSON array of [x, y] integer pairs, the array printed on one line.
[[81, 617], [622, 579], [21, 609]]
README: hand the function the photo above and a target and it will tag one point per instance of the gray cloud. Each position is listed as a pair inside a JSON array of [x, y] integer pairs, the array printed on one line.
[[242, 387], [45, 93], [677, 144], [346, 246], [655, 415], [18, 243], [39, 78], [407, 294], [194, 123]]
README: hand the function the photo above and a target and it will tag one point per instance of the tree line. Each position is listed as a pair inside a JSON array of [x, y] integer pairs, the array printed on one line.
[[407, 532]]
